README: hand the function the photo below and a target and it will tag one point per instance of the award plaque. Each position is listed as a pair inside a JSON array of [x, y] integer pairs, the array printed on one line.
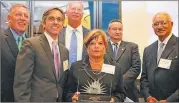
[[93, 89], [93, 98]]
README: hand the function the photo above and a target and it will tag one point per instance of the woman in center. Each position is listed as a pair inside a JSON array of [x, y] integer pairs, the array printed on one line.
[[94, 75]]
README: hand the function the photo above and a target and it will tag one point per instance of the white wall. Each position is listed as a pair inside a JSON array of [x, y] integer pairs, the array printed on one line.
[[137, 20]]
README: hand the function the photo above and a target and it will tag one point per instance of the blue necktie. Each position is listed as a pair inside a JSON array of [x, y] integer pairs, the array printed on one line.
[[115, 51], [73, 48]]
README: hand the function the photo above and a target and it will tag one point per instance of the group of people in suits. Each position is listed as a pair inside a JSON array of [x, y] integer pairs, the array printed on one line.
[[41, 69]]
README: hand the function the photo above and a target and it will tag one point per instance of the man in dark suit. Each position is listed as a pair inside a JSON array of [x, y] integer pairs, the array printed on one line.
[[160, 79], [126, 55], [42, 63], [11, 41], [74, 43]]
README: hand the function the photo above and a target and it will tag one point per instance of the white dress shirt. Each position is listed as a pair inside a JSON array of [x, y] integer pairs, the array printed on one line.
[[79, 34], [114, 46], [165, 41], [50, 40]]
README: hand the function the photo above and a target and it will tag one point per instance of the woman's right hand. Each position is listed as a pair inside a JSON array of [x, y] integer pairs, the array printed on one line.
[[75, 97]]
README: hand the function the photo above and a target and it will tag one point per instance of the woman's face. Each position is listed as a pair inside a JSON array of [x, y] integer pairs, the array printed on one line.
[[96, 48]]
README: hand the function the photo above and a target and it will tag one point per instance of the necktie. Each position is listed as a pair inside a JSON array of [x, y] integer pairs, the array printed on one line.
[[56, 57], [115, 50], [20, 40], [160, 50], [73, 48]]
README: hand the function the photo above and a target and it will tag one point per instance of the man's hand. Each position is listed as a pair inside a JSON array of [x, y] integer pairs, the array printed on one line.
[[112, 100], [151, 99]]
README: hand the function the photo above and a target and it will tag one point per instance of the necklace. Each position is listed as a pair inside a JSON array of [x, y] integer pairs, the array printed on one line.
[[96, 63], [96, 72]]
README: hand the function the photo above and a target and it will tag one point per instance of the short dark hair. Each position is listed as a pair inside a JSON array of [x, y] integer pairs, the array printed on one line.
[[114, 20], [46, 13]]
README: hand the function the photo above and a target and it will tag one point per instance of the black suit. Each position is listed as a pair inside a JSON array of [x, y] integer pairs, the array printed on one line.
[[159, 82], [128, 59], [9, 51]]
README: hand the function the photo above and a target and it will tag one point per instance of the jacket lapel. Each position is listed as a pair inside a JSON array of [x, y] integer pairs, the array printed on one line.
[[153, 54], [62, 36], [169, 47], [46, 47], [110, 51], [11, 42], [121, 50]]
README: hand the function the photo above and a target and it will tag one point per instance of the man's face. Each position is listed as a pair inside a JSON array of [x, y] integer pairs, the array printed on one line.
[[162, 25], [19, 19], [54, 23], [75, 11], [115, 31]]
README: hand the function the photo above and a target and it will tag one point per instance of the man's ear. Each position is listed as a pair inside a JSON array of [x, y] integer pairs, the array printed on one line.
[[9, 18]]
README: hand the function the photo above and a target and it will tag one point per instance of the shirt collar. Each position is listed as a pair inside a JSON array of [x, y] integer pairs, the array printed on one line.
[[16, 35], [117, 42], [49, 38], [166, 40], [79, 28]]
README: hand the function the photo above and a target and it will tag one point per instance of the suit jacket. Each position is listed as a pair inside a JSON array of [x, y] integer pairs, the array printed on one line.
[[9, 51], [128, 59], [159, 82], [78, 73], [62, 37], [35, 79]]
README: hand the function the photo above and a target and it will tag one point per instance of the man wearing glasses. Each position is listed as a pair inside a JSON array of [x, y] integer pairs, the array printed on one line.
[[42, 63], [11, 42], [160, 74]]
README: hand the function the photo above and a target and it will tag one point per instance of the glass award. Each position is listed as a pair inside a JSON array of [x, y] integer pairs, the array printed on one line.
[[92, 87]]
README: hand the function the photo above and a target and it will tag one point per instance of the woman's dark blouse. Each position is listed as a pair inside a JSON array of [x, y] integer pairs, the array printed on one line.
[[80, 76]]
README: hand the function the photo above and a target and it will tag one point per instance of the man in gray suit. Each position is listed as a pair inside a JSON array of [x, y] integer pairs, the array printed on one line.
[[74, 14], [11, 41], [126, 55], [160, 73], [42, 63]]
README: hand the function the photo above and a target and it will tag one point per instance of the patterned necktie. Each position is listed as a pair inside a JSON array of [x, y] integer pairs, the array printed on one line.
[[56, 57], [20, 40], [160, 50], [73, 48], [115, 50]]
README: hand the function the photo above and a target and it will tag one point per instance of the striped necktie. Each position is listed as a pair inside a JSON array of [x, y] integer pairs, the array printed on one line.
[[56, 56], [115, 50]]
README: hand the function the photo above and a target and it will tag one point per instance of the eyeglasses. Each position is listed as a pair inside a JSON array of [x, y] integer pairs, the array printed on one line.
[[20, 14], [59, 19], [162, 23]]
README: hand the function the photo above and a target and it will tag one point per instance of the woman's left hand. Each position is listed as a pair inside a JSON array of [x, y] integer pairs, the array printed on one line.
[[112, 100]]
